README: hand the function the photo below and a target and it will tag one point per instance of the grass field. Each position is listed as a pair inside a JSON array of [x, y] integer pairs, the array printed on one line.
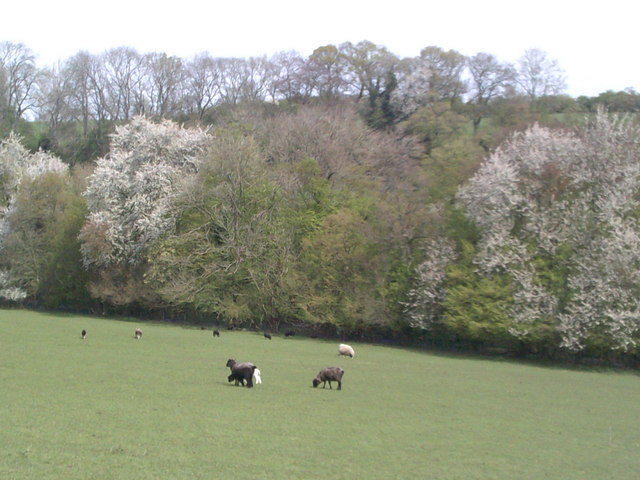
[[112, 407]]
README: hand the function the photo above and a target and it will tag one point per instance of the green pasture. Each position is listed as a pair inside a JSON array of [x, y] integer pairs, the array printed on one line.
[[112, 407]]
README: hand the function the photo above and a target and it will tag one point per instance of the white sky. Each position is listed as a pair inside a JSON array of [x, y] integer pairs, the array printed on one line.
[[596, 43]]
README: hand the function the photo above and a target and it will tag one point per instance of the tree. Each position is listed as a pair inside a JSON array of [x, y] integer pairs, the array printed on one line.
[[538, 75], [130, 193], [434, 76], [435, 124], [53, 108], [231, 252], [29, 187], [557, 213], [78, 71], [165, 78], [288, 81], [424, 306], [446, 67], [203, 79], [327, 66], [341, 143], [627, 100], [18, 81], [124, 68], [42, 244], [489, 79], [370, 69]]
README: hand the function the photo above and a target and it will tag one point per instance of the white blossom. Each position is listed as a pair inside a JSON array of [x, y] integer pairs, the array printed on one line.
[[429, 292], [131, 192], [546, 188], [8, 291], [16, 165]]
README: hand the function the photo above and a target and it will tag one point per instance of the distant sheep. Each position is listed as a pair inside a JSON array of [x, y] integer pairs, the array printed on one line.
[[216, 333], [257, 377], [241, 372], [346, 350], [267, 335], [289, 333], [138, 333], [84, 334], [329, 374]]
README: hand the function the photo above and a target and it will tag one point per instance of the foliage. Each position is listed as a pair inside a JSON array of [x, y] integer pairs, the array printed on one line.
[[33, 188], [328, 195], [625, 101], [131, 191], [231, 250], [42, 241], [573, 198]]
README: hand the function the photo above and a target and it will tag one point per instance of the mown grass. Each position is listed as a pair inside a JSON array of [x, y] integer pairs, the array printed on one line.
[[112, 407]]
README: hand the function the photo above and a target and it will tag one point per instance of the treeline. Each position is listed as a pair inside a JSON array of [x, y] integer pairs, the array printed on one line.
[[78, 101], [356, 194]]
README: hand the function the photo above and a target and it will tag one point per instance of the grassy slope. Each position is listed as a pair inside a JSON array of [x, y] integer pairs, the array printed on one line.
[[161, 408]]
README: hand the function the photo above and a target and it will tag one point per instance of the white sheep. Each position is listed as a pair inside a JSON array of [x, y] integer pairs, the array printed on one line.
[[346, 350], [257, 379]]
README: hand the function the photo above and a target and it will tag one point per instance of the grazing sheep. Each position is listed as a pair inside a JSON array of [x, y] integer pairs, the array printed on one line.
[[267, 335], [216, 333], [138, 333], [346, 350], [84, 334], [289, 333], [257, 377], [241, 372], [329, 374]]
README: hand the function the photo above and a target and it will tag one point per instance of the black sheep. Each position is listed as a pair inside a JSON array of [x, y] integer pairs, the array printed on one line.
[[216, 333], [329, 374], [267, 335], [241, 372], [84, 334], [289, 333]]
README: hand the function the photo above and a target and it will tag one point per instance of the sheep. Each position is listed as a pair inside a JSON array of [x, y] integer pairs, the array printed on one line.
[[138, 333], [346, 350], [84, 334], [289, 333], [241, 372], [257, 377], [267, 335], [329, 374], [216, 333]]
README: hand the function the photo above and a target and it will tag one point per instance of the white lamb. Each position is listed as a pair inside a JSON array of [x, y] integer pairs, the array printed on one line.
[[346, 350]]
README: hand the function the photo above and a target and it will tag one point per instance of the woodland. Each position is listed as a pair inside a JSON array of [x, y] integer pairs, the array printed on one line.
[[442, 200]]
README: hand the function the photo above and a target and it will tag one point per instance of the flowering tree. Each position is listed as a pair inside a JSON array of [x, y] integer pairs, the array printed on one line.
[[131, 191], [557, 212], [424, 305], [18, 168]]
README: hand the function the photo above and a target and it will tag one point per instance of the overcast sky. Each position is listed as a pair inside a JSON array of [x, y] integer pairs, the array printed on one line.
[[596, 43]]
